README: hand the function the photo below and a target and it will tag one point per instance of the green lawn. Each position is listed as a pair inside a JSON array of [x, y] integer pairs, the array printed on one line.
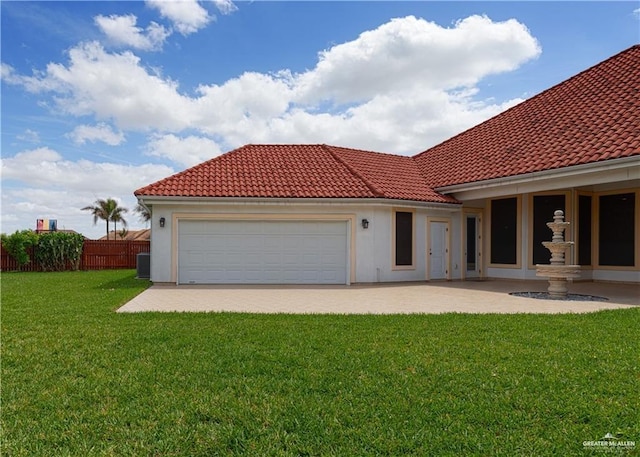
[[81, 380]]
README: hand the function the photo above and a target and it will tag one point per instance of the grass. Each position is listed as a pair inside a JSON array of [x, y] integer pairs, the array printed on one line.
[[81, 380]]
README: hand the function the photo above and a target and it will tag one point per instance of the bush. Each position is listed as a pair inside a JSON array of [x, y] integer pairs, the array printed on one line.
[[59, 251], [18, 243]]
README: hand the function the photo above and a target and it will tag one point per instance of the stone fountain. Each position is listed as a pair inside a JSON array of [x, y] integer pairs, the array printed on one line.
[[557, 271]]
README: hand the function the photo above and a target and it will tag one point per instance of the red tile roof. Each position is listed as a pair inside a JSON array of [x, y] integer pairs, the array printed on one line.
[[300, 171], [591, 117], [391, 176]]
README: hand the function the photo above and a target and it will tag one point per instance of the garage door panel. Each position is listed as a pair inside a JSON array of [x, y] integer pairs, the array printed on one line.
[[329, 259], [310, 276], [272, 260], [262, 252], [195, 258], [328, 276]]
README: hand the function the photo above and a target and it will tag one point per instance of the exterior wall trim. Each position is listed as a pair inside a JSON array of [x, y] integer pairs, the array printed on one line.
[[269, 201], [631, 163]]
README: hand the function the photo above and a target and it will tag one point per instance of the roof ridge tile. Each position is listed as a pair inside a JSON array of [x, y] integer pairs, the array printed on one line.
[[377, 192]]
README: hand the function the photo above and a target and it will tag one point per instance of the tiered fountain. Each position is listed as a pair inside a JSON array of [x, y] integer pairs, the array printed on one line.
[[557, 271]]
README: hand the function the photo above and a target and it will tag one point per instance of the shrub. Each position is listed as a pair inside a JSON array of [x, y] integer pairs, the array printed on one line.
[[58, 251], [17, 244]]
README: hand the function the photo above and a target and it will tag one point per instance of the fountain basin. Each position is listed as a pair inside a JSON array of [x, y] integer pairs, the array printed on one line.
[[558, 271], [557, 276], [559, 246]]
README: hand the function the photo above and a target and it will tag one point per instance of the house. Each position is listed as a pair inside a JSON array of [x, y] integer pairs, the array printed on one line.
[[129, 235], [474, 206]]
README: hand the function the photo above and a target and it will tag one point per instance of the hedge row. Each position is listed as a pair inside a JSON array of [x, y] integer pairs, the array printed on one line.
[[54, 251]]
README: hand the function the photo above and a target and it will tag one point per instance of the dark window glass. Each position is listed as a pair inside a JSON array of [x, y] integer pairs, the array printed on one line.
[[584, 230], [471, 243], [543, 208], [616, 234], [404, 238], [504, 235]]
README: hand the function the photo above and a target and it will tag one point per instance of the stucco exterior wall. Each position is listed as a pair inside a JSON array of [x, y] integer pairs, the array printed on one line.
[[372, 247]]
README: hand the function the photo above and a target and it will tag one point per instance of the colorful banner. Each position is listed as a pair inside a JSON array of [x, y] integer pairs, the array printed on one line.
[[46, 225]]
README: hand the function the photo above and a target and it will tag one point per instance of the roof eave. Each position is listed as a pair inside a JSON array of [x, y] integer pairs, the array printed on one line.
[[151, 199], [608, 171]]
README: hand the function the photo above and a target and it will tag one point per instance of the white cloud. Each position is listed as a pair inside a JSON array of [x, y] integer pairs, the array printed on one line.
[[186, 152], [53, 187], [123, 31], [242, 107], [413, 53], [225, 6], [187, 16], [636, 12], [111, 86], [47, 168], [401, 124], [32, 156], [29, 135], [399, 88], [405, 86], [100, 132], [39, 82]]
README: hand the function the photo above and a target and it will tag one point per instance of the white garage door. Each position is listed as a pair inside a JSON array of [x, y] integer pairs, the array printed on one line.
[[262, 252]]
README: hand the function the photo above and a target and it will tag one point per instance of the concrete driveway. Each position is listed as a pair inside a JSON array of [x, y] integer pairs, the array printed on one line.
[[491, 296]]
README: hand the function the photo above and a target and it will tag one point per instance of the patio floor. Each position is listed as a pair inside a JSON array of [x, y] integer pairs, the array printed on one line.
[[489, 296]]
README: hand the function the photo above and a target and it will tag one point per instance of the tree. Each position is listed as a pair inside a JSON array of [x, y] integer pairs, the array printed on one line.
[[116, 216], [143, 212], [106, 210], [18, 244], [99, 210]]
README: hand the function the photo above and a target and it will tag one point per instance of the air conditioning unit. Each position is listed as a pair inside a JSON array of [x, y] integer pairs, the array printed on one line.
[[143, 265]]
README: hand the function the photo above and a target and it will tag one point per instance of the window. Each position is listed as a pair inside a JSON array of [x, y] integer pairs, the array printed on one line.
[[584, 230], [472, 253], [616, 239], [543, 208], [504, 231], [404, 238]]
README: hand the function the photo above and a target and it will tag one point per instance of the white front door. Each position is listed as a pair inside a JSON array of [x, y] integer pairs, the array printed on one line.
[[438, 250]]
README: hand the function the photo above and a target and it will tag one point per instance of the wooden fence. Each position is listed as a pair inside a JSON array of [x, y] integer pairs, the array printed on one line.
[[96, 255]]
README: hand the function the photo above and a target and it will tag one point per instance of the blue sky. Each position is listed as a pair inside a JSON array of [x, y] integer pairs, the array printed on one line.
[[101, 98]]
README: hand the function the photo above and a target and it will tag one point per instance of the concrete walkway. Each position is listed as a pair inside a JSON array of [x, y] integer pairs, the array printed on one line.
[[490, 296]]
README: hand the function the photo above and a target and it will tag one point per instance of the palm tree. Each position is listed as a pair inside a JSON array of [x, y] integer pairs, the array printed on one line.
[[107, 210], [100, 210], [116, 216], [143, 212]]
